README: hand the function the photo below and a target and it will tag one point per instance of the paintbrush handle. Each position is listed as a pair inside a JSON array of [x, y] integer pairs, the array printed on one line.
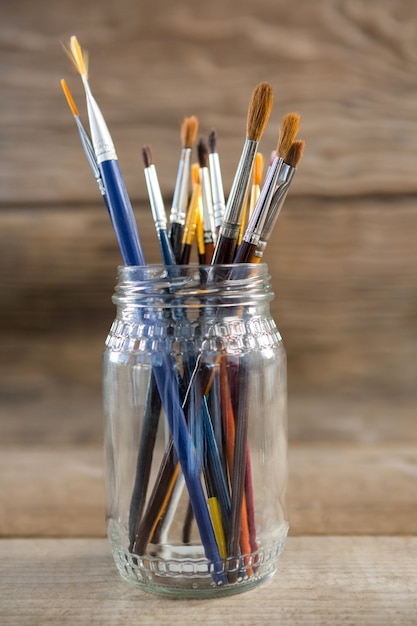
[[175, 236], [168, 390], [121, 213], [166, 248]]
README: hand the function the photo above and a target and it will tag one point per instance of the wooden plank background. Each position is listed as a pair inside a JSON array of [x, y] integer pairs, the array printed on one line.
[[343, 257], [343, 263]]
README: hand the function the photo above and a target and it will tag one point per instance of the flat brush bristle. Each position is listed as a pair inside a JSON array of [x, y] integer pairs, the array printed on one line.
[[259, 110], [69, 98], [202, 150], [189, 131], [78, 56], [295, 153], [288, 132], [212, 141], [258, 169], [147, 156]]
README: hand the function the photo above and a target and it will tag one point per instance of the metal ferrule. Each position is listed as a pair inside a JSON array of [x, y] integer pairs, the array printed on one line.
[[228, 230], [87, 147], [240, 186], [208, 217], [284, 173], [179, 201], [277, 202], [260, 249], [260, 212], [155, 198], [217, 190], [100, 135]]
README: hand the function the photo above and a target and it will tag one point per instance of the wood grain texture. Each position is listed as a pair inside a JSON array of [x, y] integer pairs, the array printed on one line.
[[347, 67], [344, 274], [334, 488], [321, 580]]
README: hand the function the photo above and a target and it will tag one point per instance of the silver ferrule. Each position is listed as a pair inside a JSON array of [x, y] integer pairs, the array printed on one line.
[[179, 200], [155, 198], [260, 212], [208, 217], [90, 154], [260, 249], [87, 147], [277, 202], [236, 199], [217, 190], [285, 172], [229, 230], [100, 135]]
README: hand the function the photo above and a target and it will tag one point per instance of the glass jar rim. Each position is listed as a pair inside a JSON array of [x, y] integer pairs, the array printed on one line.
[[180, 285]]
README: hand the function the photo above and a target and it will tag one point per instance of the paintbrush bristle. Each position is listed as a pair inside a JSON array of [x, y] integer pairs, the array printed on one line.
[[202, 151], [147, 156], [288, 132], [212, 141], [78, 56], [259, 110], [69, 98], [258, 169], [295, 153], [195, 173], [189, 129]]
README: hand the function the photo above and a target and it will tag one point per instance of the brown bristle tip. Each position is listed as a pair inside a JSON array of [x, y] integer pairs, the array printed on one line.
[[147, 156], [295, 153], [189, 131], [202, 151], [259, 110], [288, 132], [212, 141]]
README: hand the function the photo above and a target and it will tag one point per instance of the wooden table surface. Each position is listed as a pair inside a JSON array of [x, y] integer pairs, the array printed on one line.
[[343, 262], [351, 556]]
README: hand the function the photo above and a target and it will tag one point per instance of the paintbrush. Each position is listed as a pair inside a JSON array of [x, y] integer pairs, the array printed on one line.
[[252, 197], [217, 190], [85, 140], [153, 400], [157, 207], [119, 206], [200, 235], [177, 216], [259, 110], [256, 183], [239, 533], [288, 131], [208, 216], [190, 226], [286, 175], [162, 368]]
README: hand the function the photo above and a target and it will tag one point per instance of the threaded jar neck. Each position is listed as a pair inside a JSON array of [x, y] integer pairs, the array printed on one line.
[[193, 286]]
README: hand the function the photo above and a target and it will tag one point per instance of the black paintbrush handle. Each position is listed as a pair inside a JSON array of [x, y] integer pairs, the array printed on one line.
[[175, 235], [144, 460]]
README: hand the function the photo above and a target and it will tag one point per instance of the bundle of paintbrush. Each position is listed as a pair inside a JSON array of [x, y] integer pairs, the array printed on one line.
[[198, 400]]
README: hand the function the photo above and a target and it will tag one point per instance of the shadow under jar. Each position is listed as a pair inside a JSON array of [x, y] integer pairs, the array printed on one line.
[[195, 404]]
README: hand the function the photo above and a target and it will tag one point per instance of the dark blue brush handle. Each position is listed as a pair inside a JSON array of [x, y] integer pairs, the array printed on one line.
[[121, 213]]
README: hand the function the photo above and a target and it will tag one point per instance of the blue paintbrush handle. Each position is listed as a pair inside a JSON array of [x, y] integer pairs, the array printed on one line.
[[166, 248], [168, 390], [121, 213]]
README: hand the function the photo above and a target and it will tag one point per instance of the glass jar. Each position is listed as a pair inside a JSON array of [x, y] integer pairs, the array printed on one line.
[[194, 383]]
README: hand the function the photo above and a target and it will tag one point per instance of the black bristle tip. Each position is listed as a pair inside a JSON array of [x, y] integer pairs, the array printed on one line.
[[147, 156], [202, 153], [212, 141]]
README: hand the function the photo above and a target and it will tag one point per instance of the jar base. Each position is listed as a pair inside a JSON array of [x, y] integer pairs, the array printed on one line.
[[190, 577]]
